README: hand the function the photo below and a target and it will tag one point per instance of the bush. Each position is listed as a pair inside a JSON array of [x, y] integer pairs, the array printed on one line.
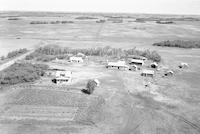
[[22, 72], [91, 85]]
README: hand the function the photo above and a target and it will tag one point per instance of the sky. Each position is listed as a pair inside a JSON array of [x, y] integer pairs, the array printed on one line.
[[123, 6]]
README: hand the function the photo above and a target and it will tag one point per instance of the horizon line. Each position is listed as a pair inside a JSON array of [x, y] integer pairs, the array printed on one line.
[[95, 12]]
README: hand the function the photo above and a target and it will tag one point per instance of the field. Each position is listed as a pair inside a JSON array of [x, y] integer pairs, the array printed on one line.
[[122, 104]]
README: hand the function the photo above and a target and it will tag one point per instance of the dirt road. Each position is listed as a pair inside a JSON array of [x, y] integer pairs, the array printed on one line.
[[9, 63]]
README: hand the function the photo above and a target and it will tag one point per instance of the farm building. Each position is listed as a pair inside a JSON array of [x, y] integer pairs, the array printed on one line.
[[169, 73], [154, 65], [147, 73], [137, 57], [76, 59], [80, 55], [183, 65], [133, 68], [52, 71], [136, 62], [63, 77], [119, 65]]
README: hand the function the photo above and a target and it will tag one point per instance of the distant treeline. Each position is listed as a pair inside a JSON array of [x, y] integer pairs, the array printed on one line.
[[85, 18], [167, 19], [22, 72], [165, 22], [179, 43], [50, 22], [15, 53], [13, 18], [48, 53]]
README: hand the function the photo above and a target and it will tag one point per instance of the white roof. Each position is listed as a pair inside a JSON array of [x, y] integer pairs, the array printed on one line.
[[64, 73], [137, 61], [117, 64], [184, 64], [76, 58], [97, 81], [148, 72], [80, 54], [170, 71]]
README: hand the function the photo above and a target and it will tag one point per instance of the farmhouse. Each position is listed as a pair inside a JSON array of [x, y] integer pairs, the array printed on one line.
[[136, 62], [119, 65], [147, 73], [63, 77], [76, 59]]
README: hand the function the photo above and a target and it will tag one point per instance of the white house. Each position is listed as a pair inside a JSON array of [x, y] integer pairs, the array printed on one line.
[[76, 59], [118, 64], [63, 77]]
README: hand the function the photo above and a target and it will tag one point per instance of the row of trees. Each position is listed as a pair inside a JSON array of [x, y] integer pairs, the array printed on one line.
[[51, 52], [22, 72], [179, 43], [15, 53]]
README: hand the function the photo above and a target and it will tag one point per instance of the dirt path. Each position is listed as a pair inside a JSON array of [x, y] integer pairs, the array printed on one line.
[[9, 63]]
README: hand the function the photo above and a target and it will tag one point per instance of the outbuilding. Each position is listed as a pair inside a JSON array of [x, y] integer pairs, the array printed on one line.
[[63, 77], [154, 65], [169, 73], [147, 73], [76, 59], [136, 62], [133, 68], [183, 65]]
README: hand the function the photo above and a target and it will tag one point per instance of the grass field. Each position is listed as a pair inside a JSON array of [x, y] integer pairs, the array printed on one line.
[[122, 104]]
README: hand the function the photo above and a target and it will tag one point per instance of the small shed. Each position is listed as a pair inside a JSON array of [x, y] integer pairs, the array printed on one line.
[[147, 73], [136, 62], [183, 65], [76, 59], [154, 65], [169, 73], [133, 68]]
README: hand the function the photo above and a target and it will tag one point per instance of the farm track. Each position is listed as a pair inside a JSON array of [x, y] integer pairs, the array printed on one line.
[[162, 108], [188, 122], [9, 63]]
